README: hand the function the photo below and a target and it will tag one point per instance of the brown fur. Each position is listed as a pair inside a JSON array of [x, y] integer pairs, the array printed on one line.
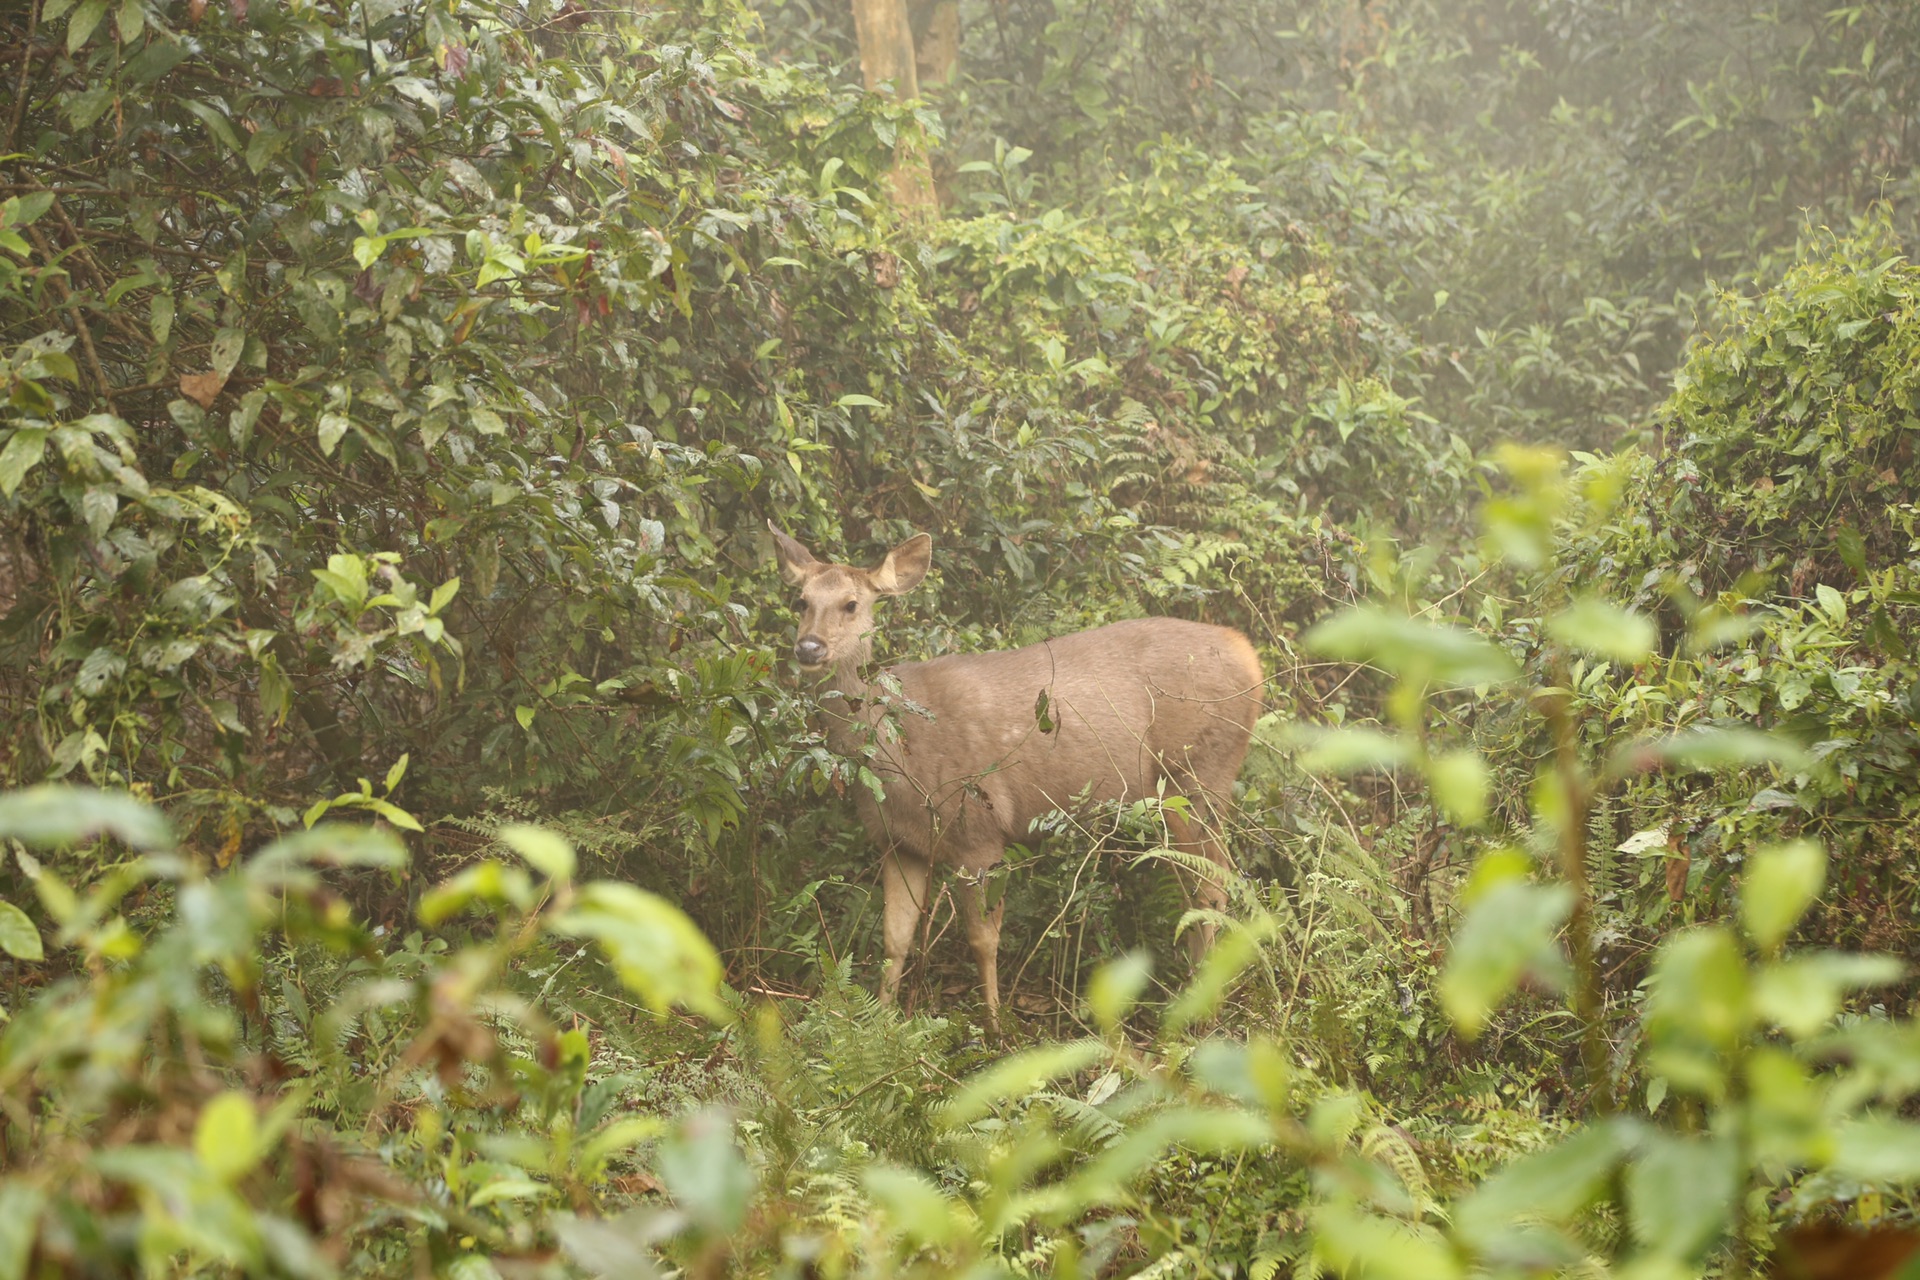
[[1128, 707]]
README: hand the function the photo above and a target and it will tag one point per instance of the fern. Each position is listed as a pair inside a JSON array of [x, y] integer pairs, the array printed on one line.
[[1387, 1146], [1088, 1128], [850, 1073]]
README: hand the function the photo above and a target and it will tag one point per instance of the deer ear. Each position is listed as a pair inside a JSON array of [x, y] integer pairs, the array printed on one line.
[[904, 566], [796, 562]]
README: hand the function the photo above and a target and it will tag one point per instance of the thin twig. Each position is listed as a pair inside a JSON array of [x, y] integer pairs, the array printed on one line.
[[20, 88], [79, 320]]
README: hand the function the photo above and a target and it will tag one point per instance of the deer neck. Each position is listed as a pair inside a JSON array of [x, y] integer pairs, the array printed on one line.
[[846, 699]]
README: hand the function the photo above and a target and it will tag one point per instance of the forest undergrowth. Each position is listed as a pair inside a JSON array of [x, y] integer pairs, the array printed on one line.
[[421, 858]]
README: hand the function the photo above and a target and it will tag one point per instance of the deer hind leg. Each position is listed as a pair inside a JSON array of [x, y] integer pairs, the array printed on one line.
[[983, 935], [1196, 832], [903, 887]]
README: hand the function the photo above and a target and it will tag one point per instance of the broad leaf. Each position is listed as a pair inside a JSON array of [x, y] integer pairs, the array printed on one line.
[[1595, 626], [61, 815]]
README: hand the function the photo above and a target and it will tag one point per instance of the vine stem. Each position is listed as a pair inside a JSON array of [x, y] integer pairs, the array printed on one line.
[[26, 64], [1578, 793]]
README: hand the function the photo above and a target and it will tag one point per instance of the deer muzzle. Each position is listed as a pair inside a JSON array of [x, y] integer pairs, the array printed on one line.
[[810, 651]]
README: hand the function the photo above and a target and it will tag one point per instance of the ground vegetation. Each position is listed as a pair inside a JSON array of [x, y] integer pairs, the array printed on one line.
[[420, 856]]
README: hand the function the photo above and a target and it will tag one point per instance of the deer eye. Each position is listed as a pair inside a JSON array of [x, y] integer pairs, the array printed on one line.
[[800, 605], [851, 606]]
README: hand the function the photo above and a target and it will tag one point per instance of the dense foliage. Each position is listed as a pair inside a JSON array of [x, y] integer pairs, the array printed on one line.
[[418, 856]]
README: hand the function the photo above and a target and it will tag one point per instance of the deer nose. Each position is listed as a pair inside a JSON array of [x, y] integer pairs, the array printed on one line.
[[810, 651]]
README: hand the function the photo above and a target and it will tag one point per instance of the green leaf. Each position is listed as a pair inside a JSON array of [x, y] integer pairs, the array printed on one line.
[[1257, 1073], [23, 452], [80, 26], [1697, 1009], [1344, 751], [616, 1136], [524, 715], [1801, 995], [1852, 548], [1361, 1244], [1116, 986], [1460, 781], [217, 124], [421, 91], [345, 578], [1880, 1150], [227, 346], [1018, 1076], [25, 210], [913, 1204], [544, 851], [98, 506], [18, 936], [227, 1137], [1510, 931], [331, 428], [1605, 630], [487, 882], [21, 1204], [655, 949], [51, 814], [263, 146], [333, 845], [1555, 1184], [1832, 603], [859, 401], [1681, 1192], [616, 1248], [130, 21], [160, 316], [703, 1169], [395, 814], [1781, 882], [443, 595], [1237, 948], [398, 771], [1711, 749], [1202, 1131], [1415, 651], [508, 1188]]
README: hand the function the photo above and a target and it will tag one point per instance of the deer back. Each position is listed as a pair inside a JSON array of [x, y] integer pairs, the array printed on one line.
[[1099, 715]]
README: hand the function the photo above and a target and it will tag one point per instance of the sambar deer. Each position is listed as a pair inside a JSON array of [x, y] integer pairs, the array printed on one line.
[[968, 754]]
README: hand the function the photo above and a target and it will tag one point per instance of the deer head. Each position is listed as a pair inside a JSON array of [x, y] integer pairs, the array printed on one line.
[[835, 603]]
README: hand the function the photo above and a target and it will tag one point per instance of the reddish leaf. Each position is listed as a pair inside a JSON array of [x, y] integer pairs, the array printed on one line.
[[1830, 1251]]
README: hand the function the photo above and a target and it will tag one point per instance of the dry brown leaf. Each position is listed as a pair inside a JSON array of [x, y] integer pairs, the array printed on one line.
[[1830, 1251], [202, 388]]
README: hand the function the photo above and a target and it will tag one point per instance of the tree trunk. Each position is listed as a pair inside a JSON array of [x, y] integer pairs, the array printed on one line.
[[887, 61], [937, 42], [886, 46]]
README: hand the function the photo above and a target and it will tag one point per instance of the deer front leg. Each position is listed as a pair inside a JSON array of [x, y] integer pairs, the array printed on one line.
[[903, 886], [983, 935]]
